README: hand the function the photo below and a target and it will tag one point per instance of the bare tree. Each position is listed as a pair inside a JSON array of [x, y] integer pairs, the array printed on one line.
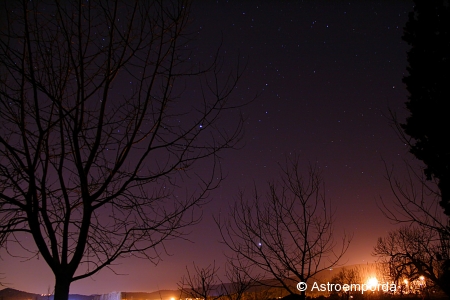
[[348, 276], [239, 281], [97, 144], [422, 246], [287, 235], [411, 254], [203, 283]]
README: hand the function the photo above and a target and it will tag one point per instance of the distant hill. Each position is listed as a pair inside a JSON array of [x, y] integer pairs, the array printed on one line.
[[158, 295], [12, 294]]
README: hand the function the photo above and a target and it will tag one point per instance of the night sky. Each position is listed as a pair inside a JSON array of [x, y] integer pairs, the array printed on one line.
[[326, 73]]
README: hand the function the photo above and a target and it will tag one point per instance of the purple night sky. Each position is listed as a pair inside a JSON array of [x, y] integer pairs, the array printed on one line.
[[326, 72]]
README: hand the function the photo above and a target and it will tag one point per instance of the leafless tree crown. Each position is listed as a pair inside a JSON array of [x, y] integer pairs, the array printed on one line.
[[421, 247], [287, 233], [97, 136]]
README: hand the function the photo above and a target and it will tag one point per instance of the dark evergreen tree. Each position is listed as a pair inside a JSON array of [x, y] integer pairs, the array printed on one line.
[[428, 82]]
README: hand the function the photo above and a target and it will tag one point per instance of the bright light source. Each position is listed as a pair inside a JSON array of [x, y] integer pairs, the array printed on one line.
[[372, 282], [422, 278], [405, 281]]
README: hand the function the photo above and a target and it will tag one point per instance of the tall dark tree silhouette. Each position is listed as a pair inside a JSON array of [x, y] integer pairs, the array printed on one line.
[[98, 146], [428, 33]]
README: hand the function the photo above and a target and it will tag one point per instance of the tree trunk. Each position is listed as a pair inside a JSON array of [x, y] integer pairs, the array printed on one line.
[[62, 286], [444, 279], [303, 295]]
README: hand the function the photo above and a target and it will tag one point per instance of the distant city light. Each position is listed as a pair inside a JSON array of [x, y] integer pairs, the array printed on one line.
[[372, 282]]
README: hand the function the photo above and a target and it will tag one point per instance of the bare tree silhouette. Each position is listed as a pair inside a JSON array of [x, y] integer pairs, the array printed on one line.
[[239, 281], [98, 146], [203, 283], [348, 276], [422, 246], [287, 235], [412, 255]]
